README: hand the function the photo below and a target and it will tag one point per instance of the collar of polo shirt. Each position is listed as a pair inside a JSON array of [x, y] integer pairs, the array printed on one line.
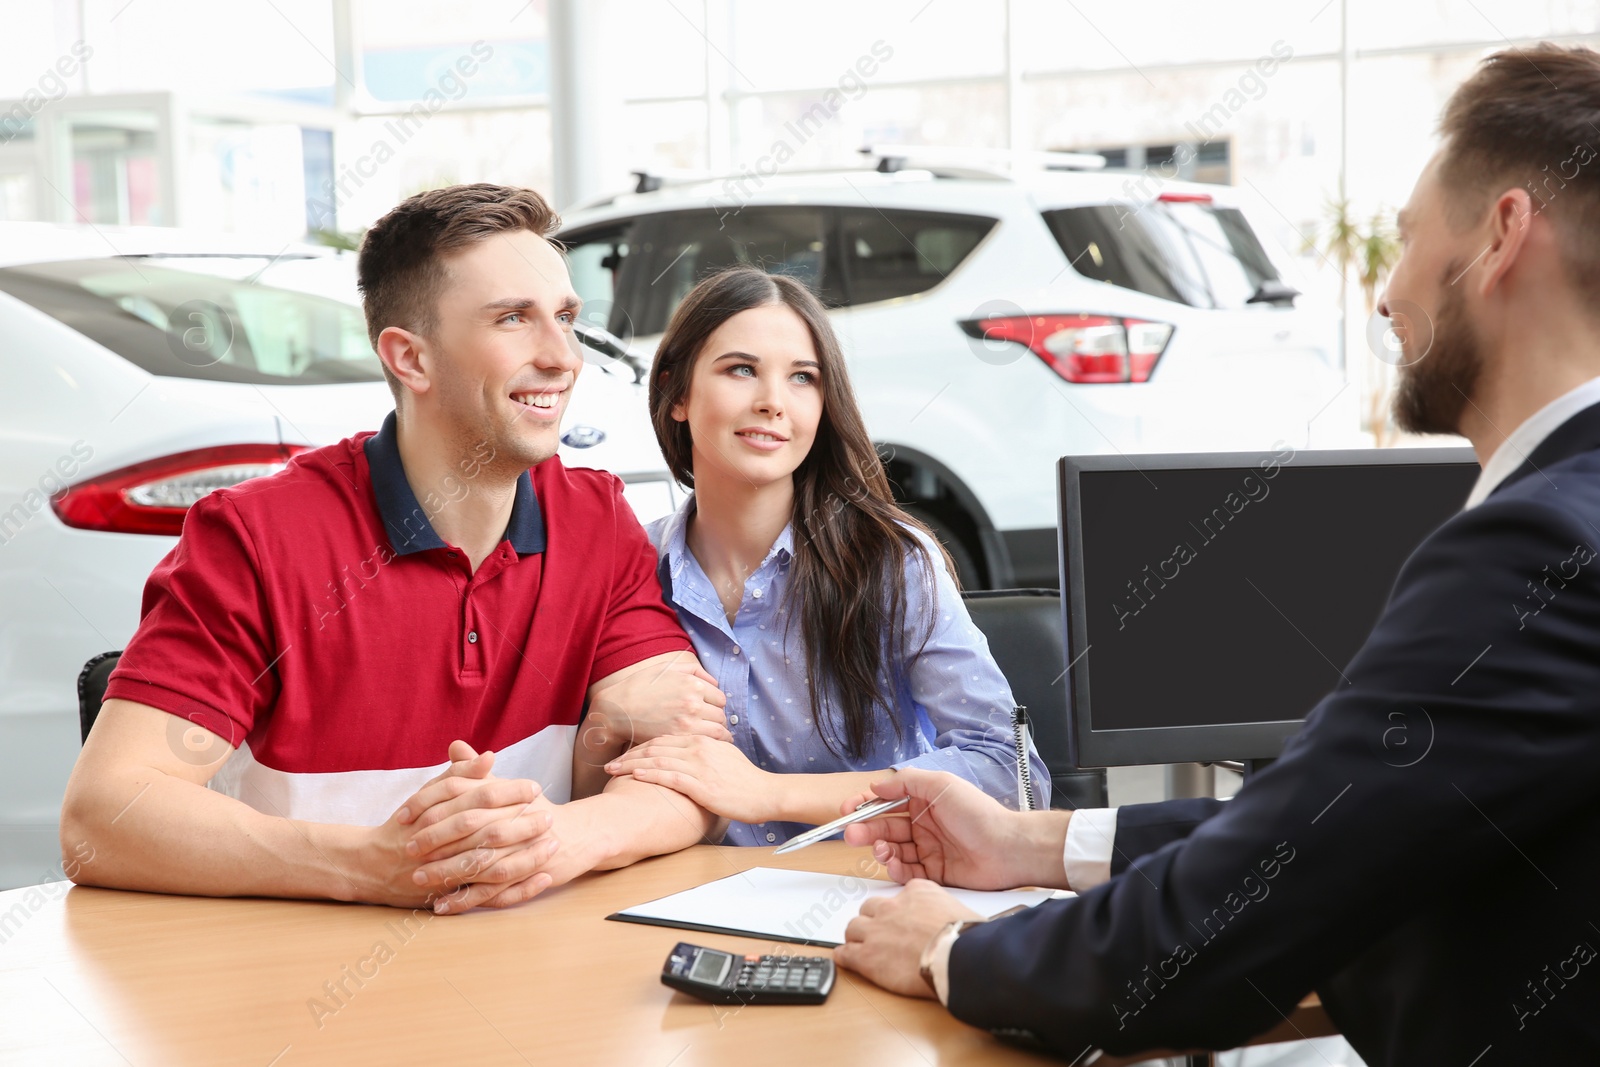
[[407, 521]]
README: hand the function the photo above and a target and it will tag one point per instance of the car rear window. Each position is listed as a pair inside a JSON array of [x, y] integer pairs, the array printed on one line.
[[262, 319], [1194, 253]]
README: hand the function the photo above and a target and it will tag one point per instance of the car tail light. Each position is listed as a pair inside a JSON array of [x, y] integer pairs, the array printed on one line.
[[1084, 349], [1185, 198], [153, 497]]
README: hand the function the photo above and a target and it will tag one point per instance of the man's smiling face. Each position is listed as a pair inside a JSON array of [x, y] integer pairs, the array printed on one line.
[[506, 356]]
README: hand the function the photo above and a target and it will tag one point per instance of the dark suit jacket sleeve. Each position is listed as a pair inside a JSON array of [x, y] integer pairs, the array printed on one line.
[[1462, 725], [1144, 828]]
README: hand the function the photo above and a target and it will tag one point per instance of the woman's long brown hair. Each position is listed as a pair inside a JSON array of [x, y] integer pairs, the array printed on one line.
[[851, 539]]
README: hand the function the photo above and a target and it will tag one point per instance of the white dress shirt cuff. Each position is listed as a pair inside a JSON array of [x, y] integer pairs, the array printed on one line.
[[940, 965], [1091, 836]]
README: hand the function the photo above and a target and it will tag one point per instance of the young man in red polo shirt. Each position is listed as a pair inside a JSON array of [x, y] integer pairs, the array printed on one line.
[[325, 652]]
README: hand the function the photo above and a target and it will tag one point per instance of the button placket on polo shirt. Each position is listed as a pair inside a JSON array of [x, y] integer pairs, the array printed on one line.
[[469, 638], [475, 628]]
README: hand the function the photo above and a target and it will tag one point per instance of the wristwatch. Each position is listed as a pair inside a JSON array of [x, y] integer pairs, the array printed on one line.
[[951, 929], [954, 930]]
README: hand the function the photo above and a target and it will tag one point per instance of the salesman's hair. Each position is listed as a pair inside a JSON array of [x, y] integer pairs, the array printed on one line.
[[1528, 117], [851, 540], [403, 266]]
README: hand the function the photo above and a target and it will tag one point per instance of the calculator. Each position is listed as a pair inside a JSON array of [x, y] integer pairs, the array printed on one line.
[[724, 978]]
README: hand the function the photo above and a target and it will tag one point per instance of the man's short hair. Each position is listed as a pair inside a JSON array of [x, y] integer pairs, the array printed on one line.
[[401, 269], [1528, 117]]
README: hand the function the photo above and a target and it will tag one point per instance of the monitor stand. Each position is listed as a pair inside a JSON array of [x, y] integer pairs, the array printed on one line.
[[1255, 766], [1243, 768]]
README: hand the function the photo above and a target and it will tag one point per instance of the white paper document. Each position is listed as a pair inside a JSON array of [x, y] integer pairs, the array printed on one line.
[[799, 906]]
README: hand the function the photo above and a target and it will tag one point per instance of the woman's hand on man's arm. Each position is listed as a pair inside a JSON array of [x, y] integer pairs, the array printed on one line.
[[719, 777], [716, 775], [666, 694]]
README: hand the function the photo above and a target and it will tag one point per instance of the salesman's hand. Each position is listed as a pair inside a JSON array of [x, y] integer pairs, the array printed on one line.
[[884, 943], [716, 775], [957, 835], [669, 694]]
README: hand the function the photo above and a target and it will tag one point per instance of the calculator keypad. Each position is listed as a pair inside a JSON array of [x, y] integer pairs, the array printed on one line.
[[749, 980], [782, 974]]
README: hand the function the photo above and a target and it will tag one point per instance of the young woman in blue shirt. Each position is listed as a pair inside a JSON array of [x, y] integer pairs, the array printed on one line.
[[830, 618]]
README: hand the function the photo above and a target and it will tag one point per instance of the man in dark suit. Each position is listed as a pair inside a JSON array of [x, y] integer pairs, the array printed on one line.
[[1426, 854]]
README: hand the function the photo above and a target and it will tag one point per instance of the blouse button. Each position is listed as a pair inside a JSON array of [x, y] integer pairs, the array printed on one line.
[[756, 593], [771, 836], [735, 650], [734, 719]]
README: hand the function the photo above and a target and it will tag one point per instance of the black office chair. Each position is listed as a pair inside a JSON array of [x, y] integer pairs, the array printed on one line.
[[1024, 628], [92, 681]]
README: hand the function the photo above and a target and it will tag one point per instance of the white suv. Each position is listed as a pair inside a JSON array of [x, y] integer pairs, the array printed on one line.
[[996, 321]]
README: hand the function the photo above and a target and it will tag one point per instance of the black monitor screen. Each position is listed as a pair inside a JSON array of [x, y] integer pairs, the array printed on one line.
[[1236, 594]]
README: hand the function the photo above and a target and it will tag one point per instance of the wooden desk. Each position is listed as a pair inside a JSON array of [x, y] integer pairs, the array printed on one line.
[[96, 976]]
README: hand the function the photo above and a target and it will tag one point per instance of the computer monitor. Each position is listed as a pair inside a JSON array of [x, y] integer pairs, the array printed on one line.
[[1212, 600]]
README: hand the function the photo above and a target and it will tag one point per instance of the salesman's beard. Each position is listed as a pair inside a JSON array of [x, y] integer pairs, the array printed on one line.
[[1434, 390]]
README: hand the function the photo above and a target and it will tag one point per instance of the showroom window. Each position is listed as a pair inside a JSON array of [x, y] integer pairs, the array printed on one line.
[[1209, 161]]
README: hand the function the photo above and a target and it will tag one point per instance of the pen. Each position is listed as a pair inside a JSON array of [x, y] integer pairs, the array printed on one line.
[[1019, 732], [866, 811]]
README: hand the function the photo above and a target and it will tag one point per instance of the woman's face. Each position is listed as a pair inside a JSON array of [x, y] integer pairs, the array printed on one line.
[[755, 397]]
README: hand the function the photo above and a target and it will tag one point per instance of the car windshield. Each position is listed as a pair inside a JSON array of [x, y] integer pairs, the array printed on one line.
[[268, 320]]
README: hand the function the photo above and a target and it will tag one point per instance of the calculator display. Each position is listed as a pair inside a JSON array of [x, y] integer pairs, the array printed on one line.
[[711, 967]]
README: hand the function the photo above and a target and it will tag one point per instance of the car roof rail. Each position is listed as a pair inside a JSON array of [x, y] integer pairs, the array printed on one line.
[[648, 181], [893, 157]]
